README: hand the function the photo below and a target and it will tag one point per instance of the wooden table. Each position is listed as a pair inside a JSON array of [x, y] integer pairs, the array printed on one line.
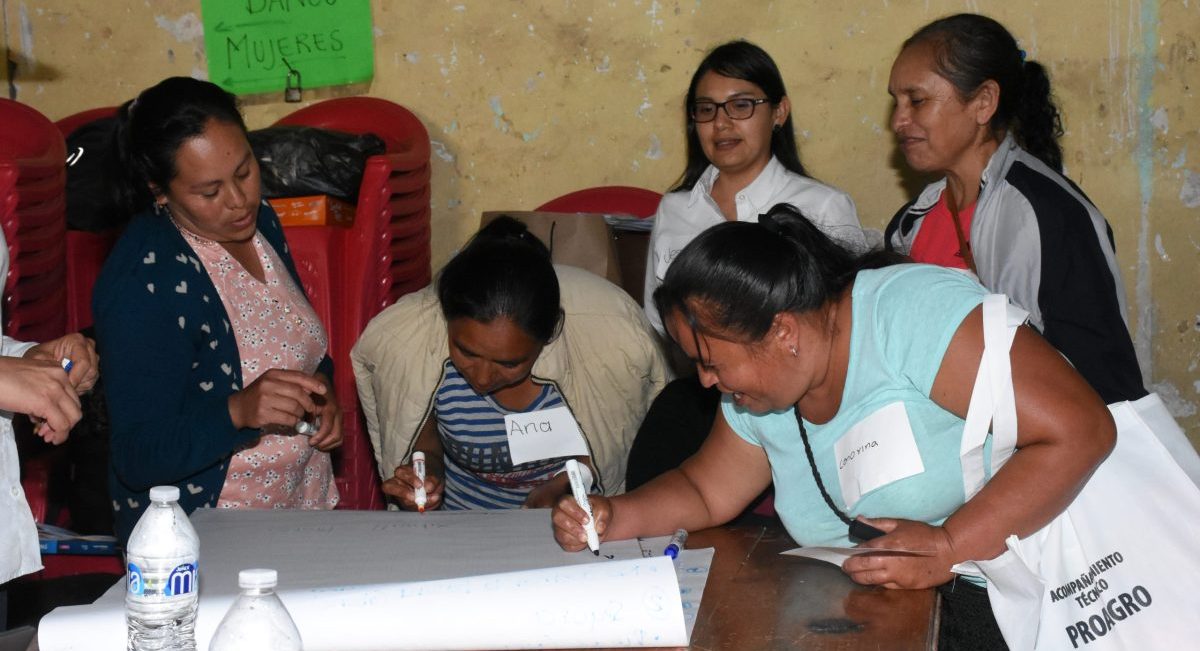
[[757, 599]]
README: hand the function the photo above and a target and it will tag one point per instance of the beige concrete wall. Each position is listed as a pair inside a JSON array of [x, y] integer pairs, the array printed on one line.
[[528, 100]]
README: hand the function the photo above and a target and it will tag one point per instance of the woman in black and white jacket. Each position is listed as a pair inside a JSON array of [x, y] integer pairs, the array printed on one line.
[[969, 106]]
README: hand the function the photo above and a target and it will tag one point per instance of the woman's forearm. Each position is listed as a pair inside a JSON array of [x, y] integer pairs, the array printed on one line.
[[1038, 483]]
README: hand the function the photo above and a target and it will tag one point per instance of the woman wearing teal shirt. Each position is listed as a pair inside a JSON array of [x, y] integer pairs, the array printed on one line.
[[846, 382]]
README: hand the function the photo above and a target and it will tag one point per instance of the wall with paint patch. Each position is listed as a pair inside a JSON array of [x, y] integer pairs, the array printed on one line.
[[526, 101]]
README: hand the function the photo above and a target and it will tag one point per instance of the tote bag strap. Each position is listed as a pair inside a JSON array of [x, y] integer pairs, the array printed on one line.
[[992, 399]]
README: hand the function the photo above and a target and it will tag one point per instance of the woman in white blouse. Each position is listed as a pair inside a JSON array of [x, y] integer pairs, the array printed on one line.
[[741, 161]]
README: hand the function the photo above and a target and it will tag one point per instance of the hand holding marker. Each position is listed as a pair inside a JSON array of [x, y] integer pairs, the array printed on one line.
[[579, 490], [67, 365], [418, 462]]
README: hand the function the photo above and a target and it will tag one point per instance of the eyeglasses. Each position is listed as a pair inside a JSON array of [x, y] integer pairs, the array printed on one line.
[[737, 109]]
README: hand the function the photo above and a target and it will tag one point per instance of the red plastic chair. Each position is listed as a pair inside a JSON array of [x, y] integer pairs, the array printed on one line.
[[612, 199], [76, 120], [86, 251], [356, 272], [33, 214]]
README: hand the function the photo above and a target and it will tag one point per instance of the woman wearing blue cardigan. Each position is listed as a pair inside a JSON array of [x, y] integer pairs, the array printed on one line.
[[214, 360]]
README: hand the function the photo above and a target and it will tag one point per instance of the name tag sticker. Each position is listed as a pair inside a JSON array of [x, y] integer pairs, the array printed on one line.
[[546, 434], [877, 451]]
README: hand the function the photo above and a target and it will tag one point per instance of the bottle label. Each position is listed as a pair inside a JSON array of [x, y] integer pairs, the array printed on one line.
[[181, 581]]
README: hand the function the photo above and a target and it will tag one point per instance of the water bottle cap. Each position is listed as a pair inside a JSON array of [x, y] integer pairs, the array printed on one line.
[[164, 494], [418, 456], [258, 578]]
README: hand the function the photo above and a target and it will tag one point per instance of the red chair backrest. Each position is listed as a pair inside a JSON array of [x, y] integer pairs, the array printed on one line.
[[76, 120], [86, 251], [33, 215], [384, 255], [612, 199]]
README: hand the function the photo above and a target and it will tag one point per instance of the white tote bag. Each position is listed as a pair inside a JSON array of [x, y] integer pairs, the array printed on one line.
[[1119, 569]]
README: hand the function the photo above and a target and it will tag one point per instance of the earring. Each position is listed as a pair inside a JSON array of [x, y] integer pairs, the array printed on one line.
[[794, 353], [160, 209]]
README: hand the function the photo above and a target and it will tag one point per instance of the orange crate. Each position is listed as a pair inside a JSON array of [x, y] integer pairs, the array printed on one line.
[[315, 210]]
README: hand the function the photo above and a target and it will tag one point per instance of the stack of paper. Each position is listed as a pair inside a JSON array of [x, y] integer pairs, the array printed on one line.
[[385, 580]]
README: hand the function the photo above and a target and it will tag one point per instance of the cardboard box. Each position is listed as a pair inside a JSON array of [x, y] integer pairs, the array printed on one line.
[[632, 249], [576, 239], [315, 210]]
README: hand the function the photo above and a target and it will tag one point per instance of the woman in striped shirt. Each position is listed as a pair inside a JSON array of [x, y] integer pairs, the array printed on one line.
[[500, 299]]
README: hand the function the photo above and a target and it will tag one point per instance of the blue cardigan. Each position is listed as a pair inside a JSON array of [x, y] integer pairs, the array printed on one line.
[[170, 362]]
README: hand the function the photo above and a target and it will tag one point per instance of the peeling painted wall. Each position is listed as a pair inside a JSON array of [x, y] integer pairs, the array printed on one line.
[[525, 101]]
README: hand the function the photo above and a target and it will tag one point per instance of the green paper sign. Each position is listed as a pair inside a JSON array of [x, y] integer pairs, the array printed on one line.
[[329, 42]]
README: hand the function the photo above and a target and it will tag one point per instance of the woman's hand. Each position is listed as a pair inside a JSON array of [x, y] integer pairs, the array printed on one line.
[[928, 567], [404, 482], [85, 363], [40, 389], [330, 415], [280, 397], [545, 495], [568, 519]]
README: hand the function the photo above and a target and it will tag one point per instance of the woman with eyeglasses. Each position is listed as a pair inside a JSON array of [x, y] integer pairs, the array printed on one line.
[[741, 160]]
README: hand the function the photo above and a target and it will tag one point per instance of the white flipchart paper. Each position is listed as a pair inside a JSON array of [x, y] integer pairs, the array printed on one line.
[[378, 580]]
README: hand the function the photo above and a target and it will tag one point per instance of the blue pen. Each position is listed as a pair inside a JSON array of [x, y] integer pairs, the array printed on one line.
[[67, 364], [676, 543]]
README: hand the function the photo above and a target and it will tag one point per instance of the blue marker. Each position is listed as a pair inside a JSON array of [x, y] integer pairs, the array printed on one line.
[[67, 364], [676, 543]]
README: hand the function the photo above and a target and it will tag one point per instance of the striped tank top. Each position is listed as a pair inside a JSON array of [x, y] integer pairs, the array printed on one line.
[[479, 470]]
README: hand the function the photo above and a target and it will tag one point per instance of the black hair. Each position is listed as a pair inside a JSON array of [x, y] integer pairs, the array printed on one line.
[[734, 278], [748, 62], [504, 271], [152, 127], [970, 49]]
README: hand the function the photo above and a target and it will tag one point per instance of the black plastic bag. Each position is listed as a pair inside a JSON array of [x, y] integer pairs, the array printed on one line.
[[92, 203], [301, 161]]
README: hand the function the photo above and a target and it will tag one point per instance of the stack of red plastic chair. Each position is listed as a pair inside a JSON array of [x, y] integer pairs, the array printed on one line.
[[33, 214], [353, 273]]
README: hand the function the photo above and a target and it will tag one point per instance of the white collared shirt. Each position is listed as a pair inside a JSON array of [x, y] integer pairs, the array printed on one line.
[[683, 215], [19, 553]]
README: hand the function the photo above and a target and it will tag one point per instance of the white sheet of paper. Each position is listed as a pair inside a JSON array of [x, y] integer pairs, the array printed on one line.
[[369, 579], [838, 555], [877, 451], [544, 434]]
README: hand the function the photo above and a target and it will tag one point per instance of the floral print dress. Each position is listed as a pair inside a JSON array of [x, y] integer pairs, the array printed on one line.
[[275, 327]]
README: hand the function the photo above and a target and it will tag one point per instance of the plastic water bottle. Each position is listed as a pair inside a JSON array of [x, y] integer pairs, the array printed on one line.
[[258, 620], [163, 584]]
